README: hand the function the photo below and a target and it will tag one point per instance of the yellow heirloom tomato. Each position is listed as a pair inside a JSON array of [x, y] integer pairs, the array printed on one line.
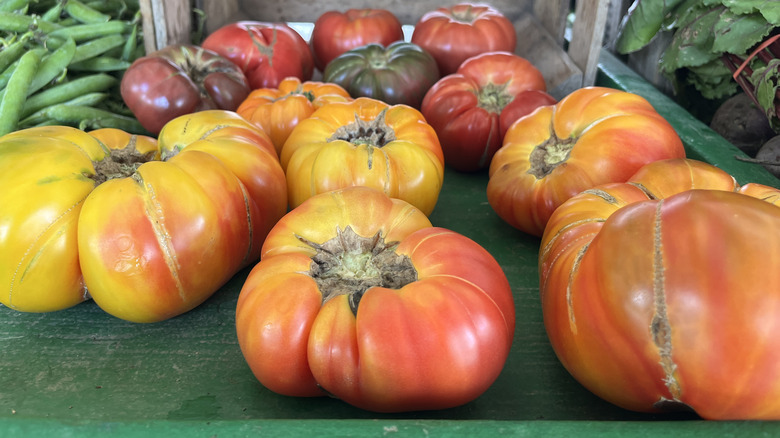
[[365, 142], [148, 232]]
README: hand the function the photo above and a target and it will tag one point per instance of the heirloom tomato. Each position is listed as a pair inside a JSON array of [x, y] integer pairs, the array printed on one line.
[[148, 232], [365, 142], [178, 80], [336, 32], [662, 292], [466, 108], [278, 110], [400, 73], [454, 34], [593, 136], [358, 297], [266, 52]]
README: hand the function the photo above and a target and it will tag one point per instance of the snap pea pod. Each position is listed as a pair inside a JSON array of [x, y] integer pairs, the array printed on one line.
[[42, 115], [87, 117], [12, 52], [100, 64], [53, 13], [97, 46], [53, 65], [83, 32], [128, 51], [5, 76], [13, 5], [15, 93], [64, 92], [20, 23], [83, 13]]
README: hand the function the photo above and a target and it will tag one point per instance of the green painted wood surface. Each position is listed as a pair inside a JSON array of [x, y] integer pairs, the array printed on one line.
[[82, 373]]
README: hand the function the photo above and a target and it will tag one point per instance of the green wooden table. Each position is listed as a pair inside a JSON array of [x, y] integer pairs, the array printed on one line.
[[83, 373]]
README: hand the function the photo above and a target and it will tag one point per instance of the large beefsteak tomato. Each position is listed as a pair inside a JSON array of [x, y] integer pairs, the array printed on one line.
[[662, 293], [266, 52], [357, 296], [593, 136], [365, 142], [466, 108], [456, 33], [180, 79], [278, 110], [148, 232], [399, 73], [336, 32]]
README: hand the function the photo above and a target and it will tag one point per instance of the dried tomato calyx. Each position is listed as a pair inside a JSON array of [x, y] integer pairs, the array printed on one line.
[[372, 132], [120, 163], [494, 97], [467, 15], [550, 154], [350, 264]]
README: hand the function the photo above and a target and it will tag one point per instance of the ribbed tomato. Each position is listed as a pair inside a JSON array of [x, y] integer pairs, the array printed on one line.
[[358, 297], [661, 293], [593, 136]]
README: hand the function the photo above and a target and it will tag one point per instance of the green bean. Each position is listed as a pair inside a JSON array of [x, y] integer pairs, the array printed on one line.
[[13, 5], [84, 13], [130, 45], [93, 118], [53, 14], [5, 76], [97, 46], [100, 63], [98, 82], [19, 23], [53, 65], [89, 99], [12, 52], [15, 93], [83, 32]]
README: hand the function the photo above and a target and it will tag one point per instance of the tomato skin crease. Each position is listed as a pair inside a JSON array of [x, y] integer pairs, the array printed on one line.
[[439, 341]]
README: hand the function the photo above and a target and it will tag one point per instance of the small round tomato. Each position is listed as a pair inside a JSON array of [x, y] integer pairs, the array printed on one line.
[[278, 110], [266, 52], [455, 34], [369, 143], [593, 136], [179, 80], [400, 73], [336, 32], [661, 293], [358, 297], [466, 107]]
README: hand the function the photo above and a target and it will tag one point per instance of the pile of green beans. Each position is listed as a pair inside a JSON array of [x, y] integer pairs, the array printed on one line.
[[61, 63]]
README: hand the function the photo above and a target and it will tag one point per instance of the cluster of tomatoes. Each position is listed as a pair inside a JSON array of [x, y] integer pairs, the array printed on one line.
[[329, 185]]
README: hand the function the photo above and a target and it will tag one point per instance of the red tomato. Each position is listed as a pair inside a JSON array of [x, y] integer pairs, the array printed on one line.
[[266, 52], [465, 107], [593, 136], [336, 32], [662, 293], [454, 34], [179, 80], [358, 297], [523, 104]]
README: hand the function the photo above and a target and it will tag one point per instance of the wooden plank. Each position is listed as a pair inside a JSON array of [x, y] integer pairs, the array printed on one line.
[[552, 16], [535, 44], [165, 23], [587, 35]]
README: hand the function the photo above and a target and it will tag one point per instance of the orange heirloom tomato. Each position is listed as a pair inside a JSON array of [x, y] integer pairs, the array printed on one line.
[[278, 110], [148, 232], [357, 296], [593, 136], [369, 143], [662, 292]]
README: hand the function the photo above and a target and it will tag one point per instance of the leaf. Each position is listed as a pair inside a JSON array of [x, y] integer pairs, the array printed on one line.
[[641, 23], [769, 9], [691, 44], [738, 33], [767, 82]]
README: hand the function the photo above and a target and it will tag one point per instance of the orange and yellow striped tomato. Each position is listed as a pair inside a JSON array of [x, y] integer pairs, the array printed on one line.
[[149, 233], [358, 297], [593, 136], [365, 142], [278, 110], [662, 292]]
